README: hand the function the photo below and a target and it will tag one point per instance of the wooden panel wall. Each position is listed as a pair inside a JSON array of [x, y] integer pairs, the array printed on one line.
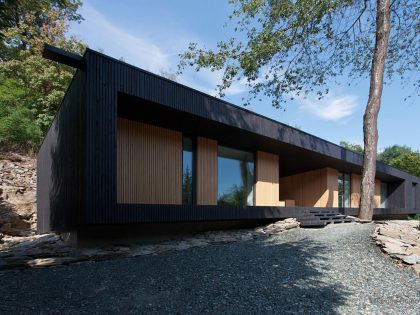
[[377, 197], [149, 164], [332, 188], [267, 179], [206, 171], [356, 181], [317, 188]]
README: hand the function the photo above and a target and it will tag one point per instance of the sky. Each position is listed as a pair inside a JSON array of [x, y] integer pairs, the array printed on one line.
[[152, 34]]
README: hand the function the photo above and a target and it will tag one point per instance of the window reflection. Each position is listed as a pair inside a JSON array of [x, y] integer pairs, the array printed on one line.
[[235, 177], [384, 195], [344, 190], [187, 171]]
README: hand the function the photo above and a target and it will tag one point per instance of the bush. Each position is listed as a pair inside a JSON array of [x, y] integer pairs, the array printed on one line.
[[18, 128]]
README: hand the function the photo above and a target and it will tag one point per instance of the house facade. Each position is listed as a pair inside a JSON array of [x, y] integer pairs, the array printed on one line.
[[130, 147]]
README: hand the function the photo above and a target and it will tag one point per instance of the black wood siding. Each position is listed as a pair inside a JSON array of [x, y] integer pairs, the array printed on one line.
[[61, 163], [77, 160], [107, 78]]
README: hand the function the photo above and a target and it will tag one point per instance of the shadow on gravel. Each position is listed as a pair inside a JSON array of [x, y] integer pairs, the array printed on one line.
[[257, 277]]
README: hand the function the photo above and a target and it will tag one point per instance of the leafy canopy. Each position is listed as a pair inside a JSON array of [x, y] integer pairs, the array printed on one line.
[[285, 48], [33, 86], [400, 156], [353, 147]]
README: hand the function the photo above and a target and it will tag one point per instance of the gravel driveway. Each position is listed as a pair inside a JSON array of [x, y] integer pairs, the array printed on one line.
[[335, 270]]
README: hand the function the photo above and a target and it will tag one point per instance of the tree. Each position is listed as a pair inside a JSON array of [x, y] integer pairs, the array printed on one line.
[[390, 153], [285, 49], [408, 162], [39, 83], [353, 147]]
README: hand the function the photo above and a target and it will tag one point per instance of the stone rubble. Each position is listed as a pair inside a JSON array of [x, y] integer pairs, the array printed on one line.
[[400, 239], [50, 250], [17, 194]]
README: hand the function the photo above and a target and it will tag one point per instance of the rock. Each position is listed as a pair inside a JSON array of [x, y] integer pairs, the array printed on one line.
[[416, 269], [51, 261], [400, 239], [411, 260]]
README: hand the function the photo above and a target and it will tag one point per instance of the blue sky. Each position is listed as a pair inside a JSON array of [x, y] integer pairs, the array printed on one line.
[[151, 34]]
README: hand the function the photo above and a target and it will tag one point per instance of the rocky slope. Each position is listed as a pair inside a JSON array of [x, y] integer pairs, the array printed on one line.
[[17, 194]]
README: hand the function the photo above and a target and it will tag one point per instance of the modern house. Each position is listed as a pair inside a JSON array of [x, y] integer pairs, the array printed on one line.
[[130, 147]]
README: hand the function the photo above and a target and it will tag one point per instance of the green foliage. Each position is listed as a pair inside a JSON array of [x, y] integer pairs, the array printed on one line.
[[409, 162], [400, 156], [353, 147], [14, 12], [16, 120], [187, 186], [35, 86], [415, 217], [288, 48], [236, 196], [393, 152]]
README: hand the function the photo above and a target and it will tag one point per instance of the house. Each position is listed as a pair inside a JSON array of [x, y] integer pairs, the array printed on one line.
[[130, 147]]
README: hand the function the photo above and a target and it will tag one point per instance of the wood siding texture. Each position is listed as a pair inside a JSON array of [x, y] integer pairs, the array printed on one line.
[[267, 179], [149, 164], [317, 188], [377, 197], [206, 171], [356, 181]]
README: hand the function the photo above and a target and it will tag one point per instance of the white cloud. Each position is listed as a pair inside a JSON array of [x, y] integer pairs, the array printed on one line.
[[148, 52], [117, 42], [331, 108]]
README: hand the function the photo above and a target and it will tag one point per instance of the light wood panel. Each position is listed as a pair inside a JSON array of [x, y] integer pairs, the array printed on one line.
[[317, 188], [332, 187], [149, 164], [206, 171], [356, 181], [377, 197], [267, 179]]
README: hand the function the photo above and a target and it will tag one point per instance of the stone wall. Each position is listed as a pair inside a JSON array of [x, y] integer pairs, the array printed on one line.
[[17, 194]]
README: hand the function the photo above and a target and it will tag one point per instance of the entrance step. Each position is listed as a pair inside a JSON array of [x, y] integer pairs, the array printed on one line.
[[315, 217]]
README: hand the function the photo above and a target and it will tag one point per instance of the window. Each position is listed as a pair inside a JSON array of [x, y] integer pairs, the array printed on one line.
[[413, 196], [235, 177], [344, 190], [187, 171], [384, 195]]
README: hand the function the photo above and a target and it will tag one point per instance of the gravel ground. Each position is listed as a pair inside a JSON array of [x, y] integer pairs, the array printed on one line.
[[335, 270]]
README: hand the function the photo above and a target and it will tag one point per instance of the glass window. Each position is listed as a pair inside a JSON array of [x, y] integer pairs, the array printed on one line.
[[235, 176], [413, 195], [344, 190], [187, 171], [384, 195]]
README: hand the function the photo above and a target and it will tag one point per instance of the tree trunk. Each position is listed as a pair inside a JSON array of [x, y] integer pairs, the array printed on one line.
[[370, 118]]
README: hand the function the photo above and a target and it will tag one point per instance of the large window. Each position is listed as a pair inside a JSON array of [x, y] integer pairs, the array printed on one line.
[[344, 190], [235, 177], [384, 195], [187, 171]]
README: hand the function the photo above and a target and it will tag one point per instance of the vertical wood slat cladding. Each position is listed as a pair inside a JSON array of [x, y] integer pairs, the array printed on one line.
[[356, 181], [206, 171], [149, 164], [377, 197], [332, 188], [317, 188], [267, 179]]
